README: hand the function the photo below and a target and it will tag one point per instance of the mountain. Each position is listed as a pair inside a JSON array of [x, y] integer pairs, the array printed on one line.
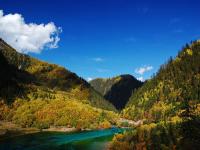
[[116, 90], [175, 82], [168, 105], [29, 86]]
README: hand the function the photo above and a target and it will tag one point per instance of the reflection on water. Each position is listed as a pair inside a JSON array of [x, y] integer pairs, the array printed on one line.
[[87, 140]]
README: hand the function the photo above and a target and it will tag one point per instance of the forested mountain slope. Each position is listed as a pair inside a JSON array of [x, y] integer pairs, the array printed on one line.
[[33, 93], [169, 104], [116, 90], [163, 96]]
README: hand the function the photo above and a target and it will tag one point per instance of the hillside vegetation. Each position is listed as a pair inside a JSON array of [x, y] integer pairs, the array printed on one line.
[[38, 94], [169, 104], [116, 90]]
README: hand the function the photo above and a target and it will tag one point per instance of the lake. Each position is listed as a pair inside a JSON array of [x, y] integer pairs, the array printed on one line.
[[84, 140]]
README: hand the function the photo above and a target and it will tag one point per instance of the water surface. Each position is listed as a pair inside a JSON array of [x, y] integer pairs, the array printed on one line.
[[85, 140]]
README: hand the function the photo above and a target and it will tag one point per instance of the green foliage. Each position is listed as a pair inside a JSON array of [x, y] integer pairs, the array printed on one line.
[[38, 94], [170, 104], [27, 78], [59, 112], [175, 82], [124, 124], [159, 136]]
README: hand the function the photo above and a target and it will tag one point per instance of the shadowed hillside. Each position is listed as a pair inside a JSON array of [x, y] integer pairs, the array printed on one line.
[[117, 90]]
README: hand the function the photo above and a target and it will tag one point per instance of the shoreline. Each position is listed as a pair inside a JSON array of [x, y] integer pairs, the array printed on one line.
[[61, 129], [9, 130]]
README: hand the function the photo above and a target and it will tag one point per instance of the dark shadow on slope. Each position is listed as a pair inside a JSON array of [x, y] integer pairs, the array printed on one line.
[[120, 92], [12, 80]]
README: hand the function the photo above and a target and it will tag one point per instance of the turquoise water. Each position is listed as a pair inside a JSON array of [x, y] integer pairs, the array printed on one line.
[[86, 140]]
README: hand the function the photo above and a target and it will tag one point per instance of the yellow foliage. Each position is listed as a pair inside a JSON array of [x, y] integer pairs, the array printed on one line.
[[120, 146], [117, 79], [118, 137], [118, 143], [147, 127], [175, 119], [160, 110], [61, 112], [189, 52], [177, 59], [105, 124], [4, 110]]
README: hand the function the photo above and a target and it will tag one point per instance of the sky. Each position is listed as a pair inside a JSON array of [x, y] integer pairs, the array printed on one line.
[[101, 38]]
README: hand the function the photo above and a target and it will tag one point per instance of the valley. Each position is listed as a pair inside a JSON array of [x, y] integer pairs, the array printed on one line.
[[119, 112], [99, 75]]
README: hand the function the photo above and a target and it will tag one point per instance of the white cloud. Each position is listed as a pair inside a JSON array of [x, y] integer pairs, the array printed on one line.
[[144, 69], [89, 79], [98, 59], [141, 79], [28, 37]]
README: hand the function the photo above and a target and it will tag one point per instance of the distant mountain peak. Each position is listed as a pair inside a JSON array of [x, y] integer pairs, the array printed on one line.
[[116, 90]]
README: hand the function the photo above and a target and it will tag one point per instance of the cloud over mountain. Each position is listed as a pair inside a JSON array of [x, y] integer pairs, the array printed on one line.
[[28, 37], [144, 69]]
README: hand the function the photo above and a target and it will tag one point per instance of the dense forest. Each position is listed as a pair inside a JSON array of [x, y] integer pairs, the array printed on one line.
[[169, 106], [38, 94], [117, 90]]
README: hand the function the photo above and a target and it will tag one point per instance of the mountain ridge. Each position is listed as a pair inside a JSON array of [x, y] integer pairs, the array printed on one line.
[[168, 106], [34, 93], [43, 73], [116, 90]]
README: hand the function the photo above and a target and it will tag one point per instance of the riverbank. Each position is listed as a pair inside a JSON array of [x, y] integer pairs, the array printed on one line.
[[87, 140], [60, 129], [131, 122], [8, 129]]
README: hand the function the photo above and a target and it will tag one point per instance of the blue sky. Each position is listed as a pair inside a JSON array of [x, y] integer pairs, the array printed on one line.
[[105, 38]]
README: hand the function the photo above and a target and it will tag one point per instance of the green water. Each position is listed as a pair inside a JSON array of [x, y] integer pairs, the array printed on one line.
[[87, 140]]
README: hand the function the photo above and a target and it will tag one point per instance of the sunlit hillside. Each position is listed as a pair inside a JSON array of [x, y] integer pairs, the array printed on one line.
[[38, 94], [169, 106]]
